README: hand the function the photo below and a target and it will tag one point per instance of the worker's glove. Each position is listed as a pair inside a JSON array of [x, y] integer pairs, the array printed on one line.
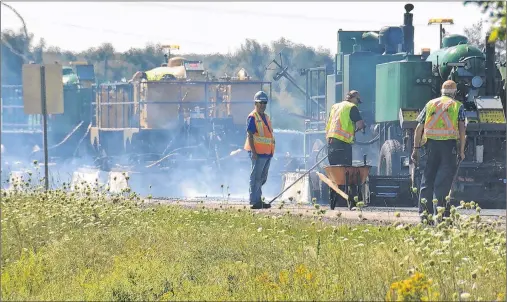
[[461, 156]]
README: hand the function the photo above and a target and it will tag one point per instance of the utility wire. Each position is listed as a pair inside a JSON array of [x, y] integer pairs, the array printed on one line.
[[133, 34], [22, 55], [94, 29], [211, 10], [172, 7], [19, 16]]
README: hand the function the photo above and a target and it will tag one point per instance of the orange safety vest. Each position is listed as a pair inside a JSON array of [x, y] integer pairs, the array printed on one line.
[[441, 121], [263, 138]]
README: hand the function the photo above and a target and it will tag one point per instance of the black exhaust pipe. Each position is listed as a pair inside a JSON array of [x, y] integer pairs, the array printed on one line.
[[408, 29], [490, 66]]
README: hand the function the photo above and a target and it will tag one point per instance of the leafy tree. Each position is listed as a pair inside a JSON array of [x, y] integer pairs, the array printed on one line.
[[476, 37], [69, 56], [497, 16], [101, 54]]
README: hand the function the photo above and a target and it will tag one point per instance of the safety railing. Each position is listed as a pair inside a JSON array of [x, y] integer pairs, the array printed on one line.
[[114, 106], [163, 105], [77, 105], [13, 114]]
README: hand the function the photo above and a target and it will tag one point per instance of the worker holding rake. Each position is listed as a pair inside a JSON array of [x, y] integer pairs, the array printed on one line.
[[260, 144], [441, 124]]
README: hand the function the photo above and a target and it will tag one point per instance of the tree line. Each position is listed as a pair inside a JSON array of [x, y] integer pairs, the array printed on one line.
[[113, 66]]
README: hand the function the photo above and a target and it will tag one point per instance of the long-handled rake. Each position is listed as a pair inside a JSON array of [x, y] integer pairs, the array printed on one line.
[[460, 160]]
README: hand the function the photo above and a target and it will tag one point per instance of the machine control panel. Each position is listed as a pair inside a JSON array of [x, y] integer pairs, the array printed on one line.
[[408, 117], [490, 110], [492, 116]]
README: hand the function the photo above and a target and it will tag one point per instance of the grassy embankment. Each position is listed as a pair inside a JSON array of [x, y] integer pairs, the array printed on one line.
[[82, 246]]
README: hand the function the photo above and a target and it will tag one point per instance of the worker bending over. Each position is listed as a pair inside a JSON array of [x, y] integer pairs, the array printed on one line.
[[441, 119], [260, 144], [344, 121]]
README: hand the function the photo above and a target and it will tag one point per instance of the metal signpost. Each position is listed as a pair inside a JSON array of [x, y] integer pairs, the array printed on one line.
[[43, 94]]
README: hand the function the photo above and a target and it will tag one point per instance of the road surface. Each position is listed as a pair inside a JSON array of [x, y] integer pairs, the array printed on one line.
[[378, 215]]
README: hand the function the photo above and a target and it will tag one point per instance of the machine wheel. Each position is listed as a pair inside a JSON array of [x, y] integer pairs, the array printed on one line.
[[390, 158]]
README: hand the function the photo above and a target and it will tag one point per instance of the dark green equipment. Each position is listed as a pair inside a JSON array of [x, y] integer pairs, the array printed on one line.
[[395, 83]]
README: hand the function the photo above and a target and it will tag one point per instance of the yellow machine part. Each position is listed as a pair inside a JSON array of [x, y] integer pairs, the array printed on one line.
[[157, 73], [164, 115], [410, 115], [494, 116], [175, 61], [158, 115], [164, 101], [114, 115], [231, 99], [75, 63]]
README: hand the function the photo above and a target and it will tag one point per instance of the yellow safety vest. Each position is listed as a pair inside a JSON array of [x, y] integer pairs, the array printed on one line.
[[339, 125], [441, 121]]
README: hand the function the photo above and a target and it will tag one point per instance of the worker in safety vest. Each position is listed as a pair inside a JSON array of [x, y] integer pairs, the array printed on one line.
[[260, 144], [441, 124], [344, 121]]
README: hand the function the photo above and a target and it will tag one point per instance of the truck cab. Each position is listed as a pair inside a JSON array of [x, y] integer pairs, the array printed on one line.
[[78, 73]]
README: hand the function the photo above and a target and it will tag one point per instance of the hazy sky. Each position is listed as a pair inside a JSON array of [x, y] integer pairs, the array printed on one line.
[[222, 27]]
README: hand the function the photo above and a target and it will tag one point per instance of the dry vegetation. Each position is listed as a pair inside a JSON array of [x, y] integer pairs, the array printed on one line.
[[87, 244]]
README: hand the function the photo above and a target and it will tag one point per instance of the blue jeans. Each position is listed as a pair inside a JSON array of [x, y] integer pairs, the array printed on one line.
[[258, 178]]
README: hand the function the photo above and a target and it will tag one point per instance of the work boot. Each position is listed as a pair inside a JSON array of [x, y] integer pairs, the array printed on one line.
[[260, 205]]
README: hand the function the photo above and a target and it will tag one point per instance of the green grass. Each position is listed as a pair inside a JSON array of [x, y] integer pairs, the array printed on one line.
[[84, 246]]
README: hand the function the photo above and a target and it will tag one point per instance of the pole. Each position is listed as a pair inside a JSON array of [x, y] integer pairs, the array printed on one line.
[[441, 27], [299, 178], [45, 125]]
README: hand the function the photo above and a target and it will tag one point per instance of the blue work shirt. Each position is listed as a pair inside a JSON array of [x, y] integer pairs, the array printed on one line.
[[250, 127]]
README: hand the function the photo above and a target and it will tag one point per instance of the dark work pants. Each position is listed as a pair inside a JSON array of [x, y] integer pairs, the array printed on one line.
[[340, 153], [438, 174]]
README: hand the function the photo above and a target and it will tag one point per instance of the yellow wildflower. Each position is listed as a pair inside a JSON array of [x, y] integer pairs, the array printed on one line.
[[301, 269], [283, 277], [417, 287], [309, 276]]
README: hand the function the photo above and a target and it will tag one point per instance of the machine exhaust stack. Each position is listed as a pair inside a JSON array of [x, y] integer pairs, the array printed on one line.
[[408, 29], [490, 67]]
